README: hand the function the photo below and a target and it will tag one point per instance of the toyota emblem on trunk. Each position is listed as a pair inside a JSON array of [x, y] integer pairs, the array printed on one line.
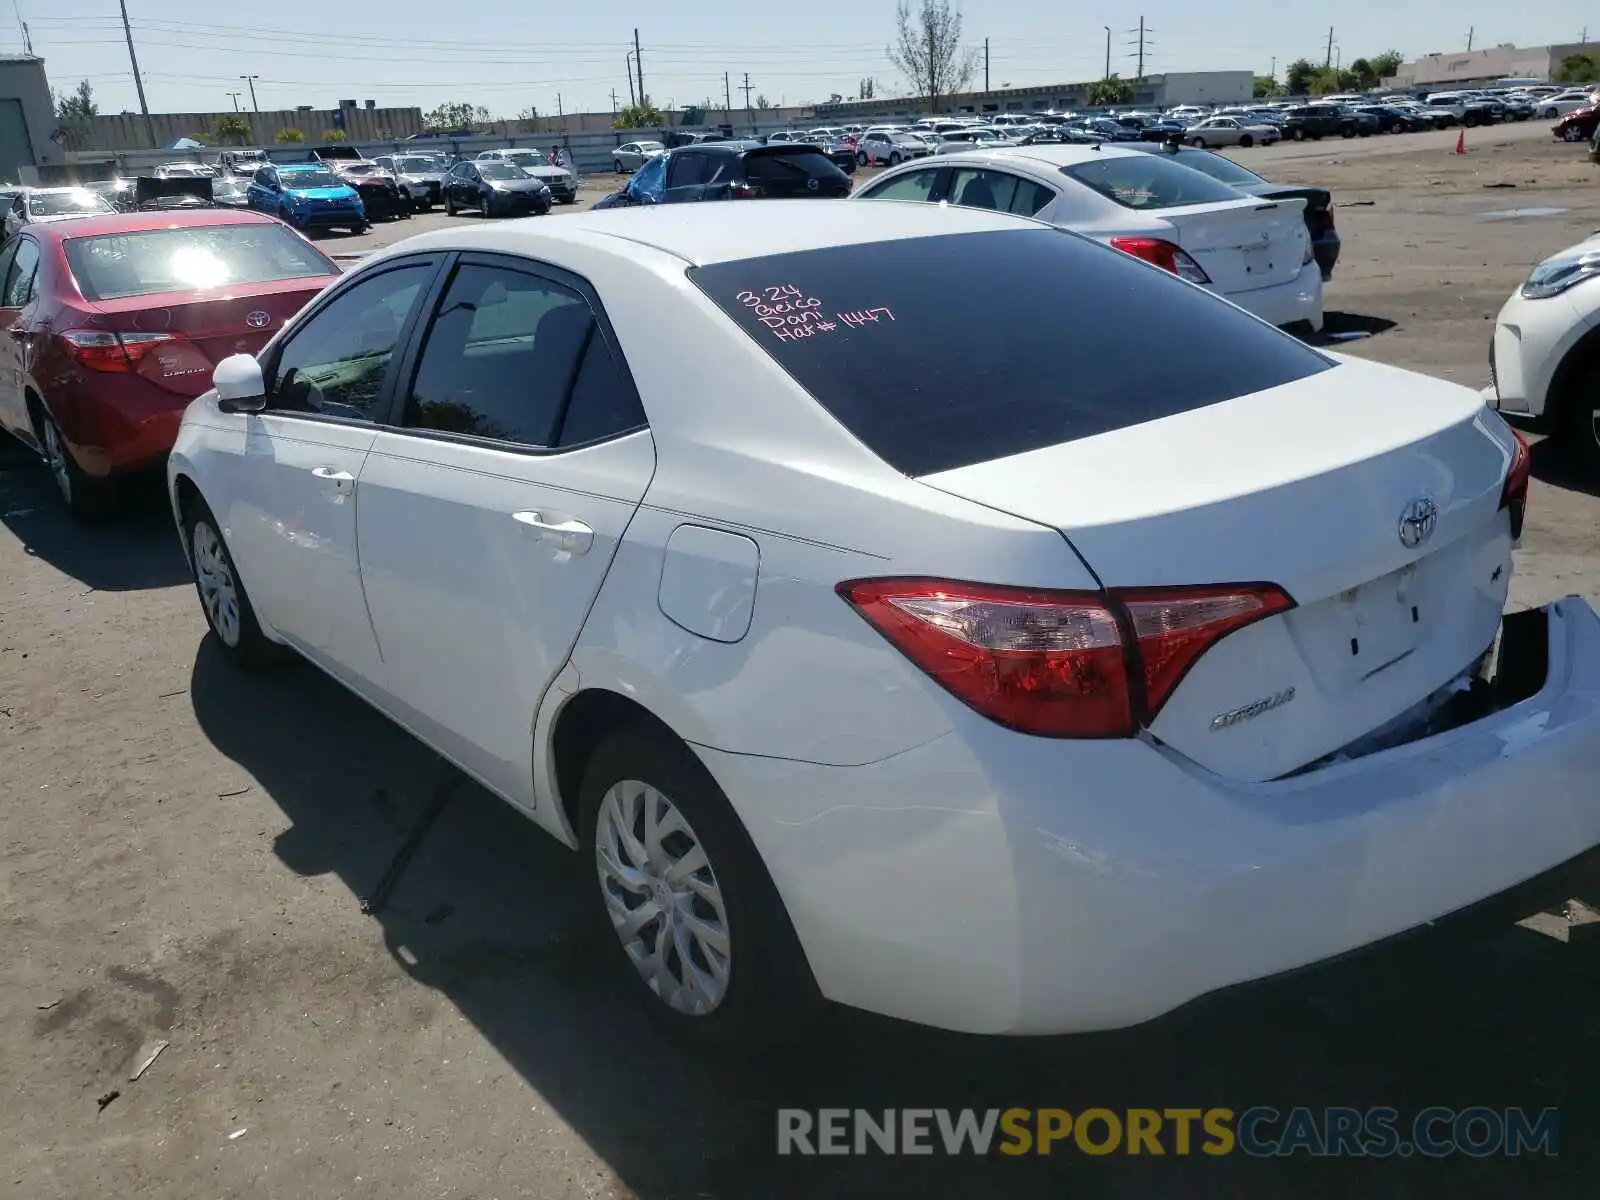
[[1417, 522], [258, 319]]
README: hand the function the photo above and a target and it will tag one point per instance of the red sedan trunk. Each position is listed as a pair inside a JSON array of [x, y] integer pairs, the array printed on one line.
[[126, 316]]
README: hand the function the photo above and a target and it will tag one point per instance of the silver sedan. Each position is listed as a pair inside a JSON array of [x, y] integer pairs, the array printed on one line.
[[1230, 131], [630, 156]]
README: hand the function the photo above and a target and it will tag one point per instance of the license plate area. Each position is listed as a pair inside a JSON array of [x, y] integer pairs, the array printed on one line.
[[1258, 261]]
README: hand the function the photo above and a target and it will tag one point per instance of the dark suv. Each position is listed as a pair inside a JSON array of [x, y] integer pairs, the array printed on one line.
[[1314, 121], [733, 171]]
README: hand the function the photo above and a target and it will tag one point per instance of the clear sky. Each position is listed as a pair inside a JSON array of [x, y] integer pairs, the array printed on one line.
[[507, 57]]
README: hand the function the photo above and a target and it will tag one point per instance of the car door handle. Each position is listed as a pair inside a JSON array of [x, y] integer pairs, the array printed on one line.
[[342, 482], [572, 536]]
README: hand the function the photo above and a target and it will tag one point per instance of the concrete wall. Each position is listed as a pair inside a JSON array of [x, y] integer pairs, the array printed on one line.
[[23, 79], [590, 151], [1205, 87], [1185, 87], [1496, 62], [128, 131]]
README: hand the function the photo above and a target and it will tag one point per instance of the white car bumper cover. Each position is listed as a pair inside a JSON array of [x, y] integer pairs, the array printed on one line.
[[972, 883], [1531, 338], [1285, 303]]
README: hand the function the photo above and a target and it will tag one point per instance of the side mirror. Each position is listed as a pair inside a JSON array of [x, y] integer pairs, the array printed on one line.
[[240, 388]]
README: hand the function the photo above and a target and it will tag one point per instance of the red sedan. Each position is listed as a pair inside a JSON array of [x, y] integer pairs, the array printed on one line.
[[1578, 125], [113, 324]]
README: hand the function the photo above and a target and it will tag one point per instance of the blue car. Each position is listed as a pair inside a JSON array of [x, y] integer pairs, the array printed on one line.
[[308, 196]]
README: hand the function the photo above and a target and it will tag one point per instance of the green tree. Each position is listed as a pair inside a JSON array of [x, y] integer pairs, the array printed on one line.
[[335, 135], [1349, 80], [643, 115], [1265, 85], [1299, 77], [927, 49], [234, 127], [290, 136], [1577, 68], [1365, 75], [75, 110], [457, 115], [1387, 64], [1110, 90]]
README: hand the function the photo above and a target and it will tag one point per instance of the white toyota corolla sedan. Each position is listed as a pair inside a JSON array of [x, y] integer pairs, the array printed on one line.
[[1038, 687], [1256, 252]]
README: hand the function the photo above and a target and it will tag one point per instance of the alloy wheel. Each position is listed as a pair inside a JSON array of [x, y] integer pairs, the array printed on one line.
[[55, 453], [213, 574], [663, 898]]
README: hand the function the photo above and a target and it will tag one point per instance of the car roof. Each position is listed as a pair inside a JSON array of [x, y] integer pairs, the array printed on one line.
[[710, 233], [144, 222]]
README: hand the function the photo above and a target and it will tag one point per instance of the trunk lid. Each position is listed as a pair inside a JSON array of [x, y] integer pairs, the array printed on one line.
[[1243, 244], [210, 328], [1304, 486]]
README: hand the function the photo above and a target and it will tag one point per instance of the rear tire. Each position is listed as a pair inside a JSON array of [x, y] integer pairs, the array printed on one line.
[[85, 497], [223, 600], [449, 207], [1198, 143], [616, 165], [861, 159], [741, 976]]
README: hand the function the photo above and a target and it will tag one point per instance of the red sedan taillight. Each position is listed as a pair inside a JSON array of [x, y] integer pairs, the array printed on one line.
[[740, 190], [1514, 495], [100, 351], [1056, 663]]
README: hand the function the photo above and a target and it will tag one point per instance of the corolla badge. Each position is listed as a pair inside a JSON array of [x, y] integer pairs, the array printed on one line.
[[1251, 711], [1417, 520], [258, 319]]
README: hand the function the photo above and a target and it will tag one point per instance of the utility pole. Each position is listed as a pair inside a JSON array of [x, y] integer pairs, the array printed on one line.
[[251, 80], [727, 99], [1273, 74], [745, 88], [1328, 61], [986, 64], [638, 62], [138, 82], [27, 40], [560, 114], [1144, 32], [235, 96], [1471, 29], [627, 65], [1107, 75]]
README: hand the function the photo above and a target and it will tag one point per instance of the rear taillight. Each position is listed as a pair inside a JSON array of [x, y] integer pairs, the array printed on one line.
[[1164, 255], [1057, 663], [743, 191], [1514, 495], [100, 351], [1328, 213]]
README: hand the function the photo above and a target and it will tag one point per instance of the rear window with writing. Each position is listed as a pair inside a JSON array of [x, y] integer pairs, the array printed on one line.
[[939, 352]]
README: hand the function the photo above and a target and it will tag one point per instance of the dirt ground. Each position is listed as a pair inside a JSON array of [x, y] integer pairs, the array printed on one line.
[[185, 853]]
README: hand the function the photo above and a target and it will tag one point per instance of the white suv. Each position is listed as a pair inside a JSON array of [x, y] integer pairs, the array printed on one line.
[[1545, 357]]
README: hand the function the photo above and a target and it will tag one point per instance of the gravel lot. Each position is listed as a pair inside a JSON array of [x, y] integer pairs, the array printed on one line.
[[186, 850]]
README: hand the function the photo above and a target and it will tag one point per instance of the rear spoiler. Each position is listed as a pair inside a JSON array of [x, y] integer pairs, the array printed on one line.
[[147, 189]]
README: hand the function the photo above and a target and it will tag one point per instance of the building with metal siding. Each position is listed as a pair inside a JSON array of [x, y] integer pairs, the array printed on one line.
[[29, 138]]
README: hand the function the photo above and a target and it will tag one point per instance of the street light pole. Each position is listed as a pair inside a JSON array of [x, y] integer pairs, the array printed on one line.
[[251, 80], [1107, 28], [235, 96], [627, 64]]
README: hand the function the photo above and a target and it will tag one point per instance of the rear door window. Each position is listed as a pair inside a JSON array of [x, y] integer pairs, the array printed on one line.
[[998, 191], [688, 170], [880, 334], [789, 166], [1147, 181], [913, 185]]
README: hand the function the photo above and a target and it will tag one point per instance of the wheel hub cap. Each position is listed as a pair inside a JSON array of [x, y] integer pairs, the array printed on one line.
[[663, 898], [56, 455], [219, 595]]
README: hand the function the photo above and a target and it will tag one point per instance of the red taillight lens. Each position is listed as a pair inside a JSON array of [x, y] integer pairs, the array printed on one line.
[[1164, 255], [1056, 663], [743, 191], [1514, 495], [100, 351]]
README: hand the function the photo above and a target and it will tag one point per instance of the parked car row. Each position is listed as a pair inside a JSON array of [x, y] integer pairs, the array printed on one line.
[[828, 613]]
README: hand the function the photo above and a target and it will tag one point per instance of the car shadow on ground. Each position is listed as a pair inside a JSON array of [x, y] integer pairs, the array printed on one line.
[[1552, 462], [1474, 1012], [1341, 327], [134, 549]]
